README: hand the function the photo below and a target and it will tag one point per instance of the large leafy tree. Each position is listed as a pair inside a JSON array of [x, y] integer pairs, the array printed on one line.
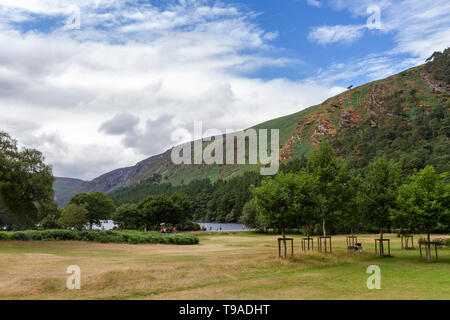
[[127, 217], [182, 209], [147, 213], [306, 202], [74, 217], [172, 210], [330, 176], [250, 216], [380, 193], [276, 201], [351, 212], [425, 200], [26, 182], [99, 207]]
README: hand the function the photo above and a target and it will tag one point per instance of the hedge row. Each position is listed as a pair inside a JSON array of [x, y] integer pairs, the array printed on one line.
[[133, 237]]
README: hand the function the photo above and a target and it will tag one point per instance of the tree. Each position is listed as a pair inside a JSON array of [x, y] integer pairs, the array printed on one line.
[[9, 222], [250, 216], [74, 217], [98, 205], [127, 217], [380, 193], [353, 206], [425, 200], [48, 214], [182, 209], [307, 202], [51, 220], [276, 202], [155, 210], [330, 177], [147, 215], [25, 181], [173, 210]]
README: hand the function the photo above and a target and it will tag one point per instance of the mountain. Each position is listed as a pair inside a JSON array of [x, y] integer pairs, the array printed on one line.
[[403, 117], [64, 189]]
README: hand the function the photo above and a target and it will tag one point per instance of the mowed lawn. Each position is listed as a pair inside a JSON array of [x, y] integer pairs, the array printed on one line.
[[230, 266]]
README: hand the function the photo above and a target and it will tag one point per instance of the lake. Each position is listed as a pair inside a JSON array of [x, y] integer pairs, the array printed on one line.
[[108, 225], [223, 226]]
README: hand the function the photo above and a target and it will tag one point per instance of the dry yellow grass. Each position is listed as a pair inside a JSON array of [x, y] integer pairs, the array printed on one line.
[[241, 266]]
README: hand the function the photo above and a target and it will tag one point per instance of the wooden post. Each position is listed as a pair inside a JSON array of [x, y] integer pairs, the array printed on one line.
[[280, 240], [279, 249], [406, 238], [322, 244], [379, 247]]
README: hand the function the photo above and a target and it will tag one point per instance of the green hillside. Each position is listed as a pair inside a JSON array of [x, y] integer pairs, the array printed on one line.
[[402, 117]]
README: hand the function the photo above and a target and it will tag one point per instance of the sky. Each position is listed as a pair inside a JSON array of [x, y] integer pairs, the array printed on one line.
[[101, 84]]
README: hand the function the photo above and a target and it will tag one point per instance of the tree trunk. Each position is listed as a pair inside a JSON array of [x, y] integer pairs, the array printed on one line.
[[381, 242], [324, 235], [284, 242], [90, 226], [429, 247]]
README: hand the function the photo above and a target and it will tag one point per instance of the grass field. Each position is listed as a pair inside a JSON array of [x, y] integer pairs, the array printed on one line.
[[239, 266]]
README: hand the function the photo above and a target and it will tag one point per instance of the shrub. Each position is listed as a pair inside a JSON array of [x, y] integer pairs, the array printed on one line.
[[132, 237], [188, 226], [20, 235]]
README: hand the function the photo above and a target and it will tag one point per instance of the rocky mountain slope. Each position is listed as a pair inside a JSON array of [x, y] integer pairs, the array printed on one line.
[[404, 117]]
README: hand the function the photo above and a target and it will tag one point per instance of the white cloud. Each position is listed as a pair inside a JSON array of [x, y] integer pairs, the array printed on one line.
[[314, 3], [97, 99], [417, 29], [121, 124], [334, 34]]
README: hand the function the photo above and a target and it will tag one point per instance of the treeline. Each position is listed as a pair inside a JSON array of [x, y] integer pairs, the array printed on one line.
[[221, 201], [327, 193], [233, 200], [27, 200], [86, 210]]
